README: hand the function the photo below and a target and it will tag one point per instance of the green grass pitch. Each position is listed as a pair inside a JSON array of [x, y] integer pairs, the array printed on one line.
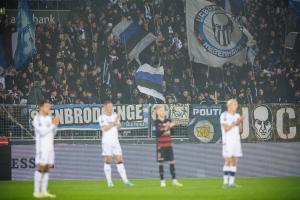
[[281, 188]]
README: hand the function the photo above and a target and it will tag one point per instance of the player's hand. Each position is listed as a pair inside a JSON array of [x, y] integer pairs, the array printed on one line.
[[56, 120], [117, 120], [167, 125], [239, 121], [172, 123]]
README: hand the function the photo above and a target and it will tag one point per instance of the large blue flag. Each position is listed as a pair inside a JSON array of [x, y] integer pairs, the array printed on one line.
[[26, 34]]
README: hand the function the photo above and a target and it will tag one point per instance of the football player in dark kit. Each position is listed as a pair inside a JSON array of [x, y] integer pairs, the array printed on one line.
[[164, 145]]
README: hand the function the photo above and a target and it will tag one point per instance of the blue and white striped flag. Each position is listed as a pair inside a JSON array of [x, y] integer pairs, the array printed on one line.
[[26, 34], [133, 38], [149, 80]]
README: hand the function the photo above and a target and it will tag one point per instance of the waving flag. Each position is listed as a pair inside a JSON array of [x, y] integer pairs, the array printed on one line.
[[133, 37], [25, 47], [149, 80], [214, 38]]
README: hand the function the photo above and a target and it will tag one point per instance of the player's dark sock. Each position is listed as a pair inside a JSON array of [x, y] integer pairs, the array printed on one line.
[[226, 170], [161, 172], [172, 171]]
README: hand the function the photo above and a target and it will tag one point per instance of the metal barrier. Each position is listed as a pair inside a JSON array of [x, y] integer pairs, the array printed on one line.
[[196, 123]]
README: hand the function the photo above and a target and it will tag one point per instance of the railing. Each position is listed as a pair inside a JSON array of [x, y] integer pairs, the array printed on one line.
[[195, 122], [15, 123]]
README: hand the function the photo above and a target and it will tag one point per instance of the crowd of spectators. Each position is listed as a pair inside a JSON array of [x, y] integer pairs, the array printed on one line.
[[68, 66]]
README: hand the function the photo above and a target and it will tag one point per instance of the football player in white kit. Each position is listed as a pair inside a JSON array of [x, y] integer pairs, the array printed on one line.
[[109, 123], [45, 129], [230, 121]]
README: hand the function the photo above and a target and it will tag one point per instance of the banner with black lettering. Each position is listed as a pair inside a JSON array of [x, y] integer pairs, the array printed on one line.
[[85, 116], [204, 123]]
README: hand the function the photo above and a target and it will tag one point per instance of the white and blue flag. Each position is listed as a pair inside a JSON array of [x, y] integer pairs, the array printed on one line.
[[149, 80], [214, 37], [25, 47]]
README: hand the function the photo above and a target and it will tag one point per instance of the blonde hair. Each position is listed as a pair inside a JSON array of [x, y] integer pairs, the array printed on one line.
[[159, 106], [230, 101]]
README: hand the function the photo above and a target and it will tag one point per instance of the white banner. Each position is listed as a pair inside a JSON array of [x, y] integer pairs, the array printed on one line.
[[214, 38]]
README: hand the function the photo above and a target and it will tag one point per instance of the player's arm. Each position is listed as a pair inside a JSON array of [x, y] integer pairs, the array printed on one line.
[[104, 126], [227, 127], [171, 124], [117, 121], [159, 129], [45, 130], [55, 121], [107, 126]]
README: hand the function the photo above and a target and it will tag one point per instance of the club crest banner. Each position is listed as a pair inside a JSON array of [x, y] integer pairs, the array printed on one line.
[[214, 38]]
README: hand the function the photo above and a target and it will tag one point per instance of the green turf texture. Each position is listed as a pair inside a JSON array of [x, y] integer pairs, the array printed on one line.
[[274, 188]]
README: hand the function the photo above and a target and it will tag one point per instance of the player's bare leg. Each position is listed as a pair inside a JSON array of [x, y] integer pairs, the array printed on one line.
[[107, 170], [226, 170], [121, 170], [173, 174]]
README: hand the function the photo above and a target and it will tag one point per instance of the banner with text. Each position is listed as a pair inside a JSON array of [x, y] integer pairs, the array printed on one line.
[[85, 116], [42, 16], [204, 123], [262, 123]]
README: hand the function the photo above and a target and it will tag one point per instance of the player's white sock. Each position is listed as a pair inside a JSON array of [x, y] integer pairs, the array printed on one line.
[[122, 172], [37, 181], [226, 174], [107, 172], [232, 175], [45, 179]]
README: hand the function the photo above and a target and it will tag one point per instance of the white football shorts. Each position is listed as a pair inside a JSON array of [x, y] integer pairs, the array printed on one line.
[[110, 149], [232, 149], [44, 158]]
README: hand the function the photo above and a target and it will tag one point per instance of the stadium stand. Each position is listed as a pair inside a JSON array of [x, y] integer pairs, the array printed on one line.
[[70, 66]]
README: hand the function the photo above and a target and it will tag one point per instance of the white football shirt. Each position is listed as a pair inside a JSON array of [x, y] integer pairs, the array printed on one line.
[[111, 135], [232, 135], [44, 133]]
